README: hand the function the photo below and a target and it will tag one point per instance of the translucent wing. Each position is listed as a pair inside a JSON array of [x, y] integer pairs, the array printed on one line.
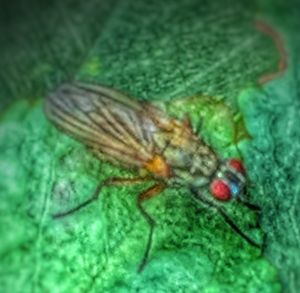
[[116, 127]]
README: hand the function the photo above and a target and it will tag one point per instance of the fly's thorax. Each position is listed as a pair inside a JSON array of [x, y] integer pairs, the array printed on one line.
[[204, 161], [186, 152]]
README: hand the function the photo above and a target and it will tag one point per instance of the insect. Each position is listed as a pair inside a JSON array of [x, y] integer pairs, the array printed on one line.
[[139, 136]]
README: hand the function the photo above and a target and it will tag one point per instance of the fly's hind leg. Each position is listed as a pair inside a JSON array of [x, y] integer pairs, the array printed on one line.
[[147, 194], [96, 194]]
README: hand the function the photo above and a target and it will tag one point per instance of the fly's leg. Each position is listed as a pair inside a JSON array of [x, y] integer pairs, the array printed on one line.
[[249, 205], [187, 122], [235, 228], [96, 194], [83, 204], [147, 194], [245, 202], [228, 220], [199, 126]]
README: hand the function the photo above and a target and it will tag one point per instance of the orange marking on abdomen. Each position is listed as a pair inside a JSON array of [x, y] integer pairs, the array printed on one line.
[[158, 166]]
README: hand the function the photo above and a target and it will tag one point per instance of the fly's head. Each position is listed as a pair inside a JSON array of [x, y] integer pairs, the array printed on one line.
[[229, 181]]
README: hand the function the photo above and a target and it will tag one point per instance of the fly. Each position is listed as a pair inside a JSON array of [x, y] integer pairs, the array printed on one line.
[[139, 136]]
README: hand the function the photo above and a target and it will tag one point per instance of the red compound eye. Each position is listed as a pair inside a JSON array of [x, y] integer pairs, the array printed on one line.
[[237, 165], [220, 190]]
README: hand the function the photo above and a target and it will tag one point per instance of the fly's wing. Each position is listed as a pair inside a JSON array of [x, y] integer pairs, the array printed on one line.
[[116, 127]]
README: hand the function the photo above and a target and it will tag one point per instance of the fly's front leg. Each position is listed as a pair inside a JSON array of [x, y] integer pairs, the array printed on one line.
[[249, 205], [147, 194], [234, 227], [96, 194], [227, 219], [187, 122]]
